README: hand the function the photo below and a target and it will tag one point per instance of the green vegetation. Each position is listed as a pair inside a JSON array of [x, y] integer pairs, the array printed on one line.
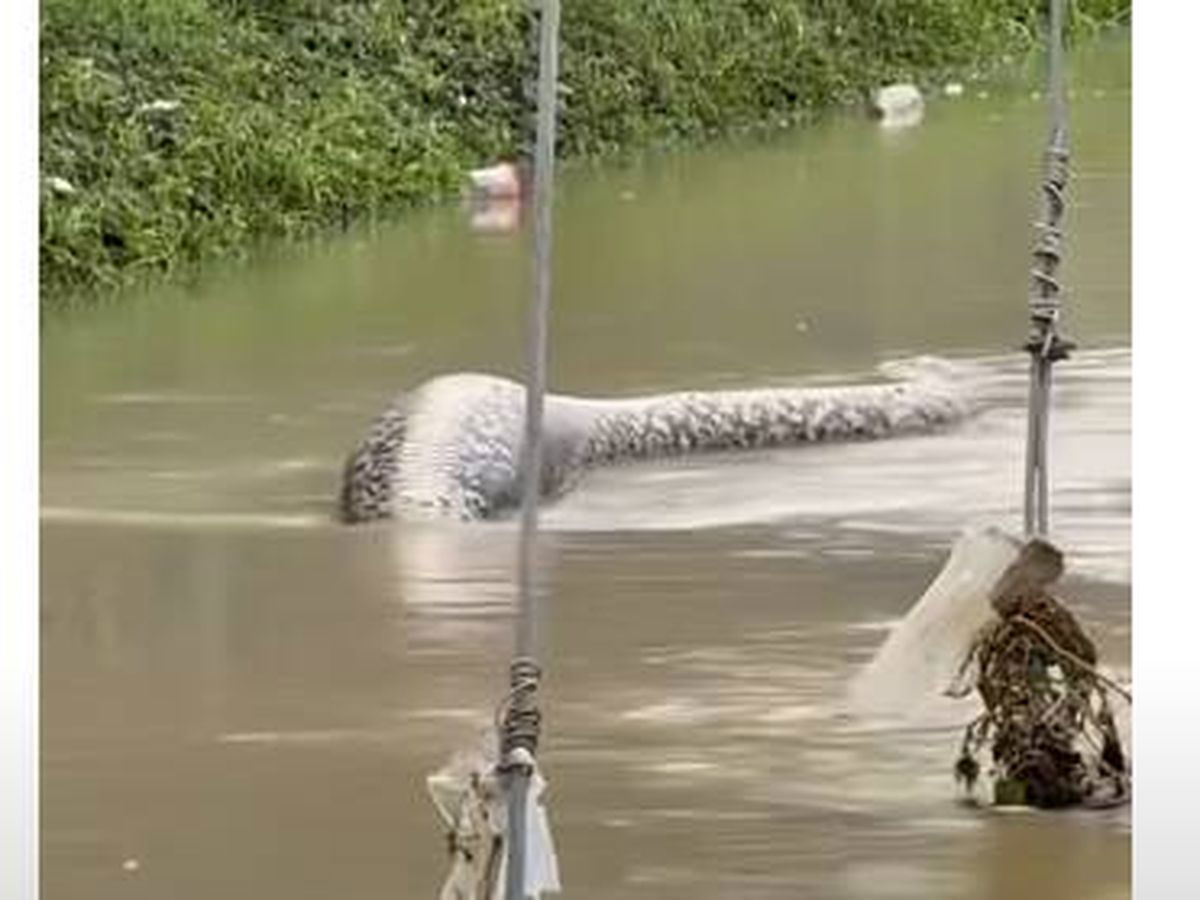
[[177, 132]]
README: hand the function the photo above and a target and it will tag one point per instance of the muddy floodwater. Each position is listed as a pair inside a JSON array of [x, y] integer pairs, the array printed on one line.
[[241, 699]]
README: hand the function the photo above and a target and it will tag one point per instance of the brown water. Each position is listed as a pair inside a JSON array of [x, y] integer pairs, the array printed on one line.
[[241, 699]]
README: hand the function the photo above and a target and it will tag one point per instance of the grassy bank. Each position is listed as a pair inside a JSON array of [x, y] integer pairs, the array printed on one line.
[[178, 132]]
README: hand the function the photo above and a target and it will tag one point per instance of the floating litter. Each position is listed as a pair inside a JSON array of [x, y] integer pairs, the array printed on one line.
[[924, 653]]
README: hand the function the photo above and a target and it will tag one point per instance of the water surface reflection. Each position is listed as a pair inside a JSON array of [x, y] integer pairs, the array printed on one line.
[[245, 698]]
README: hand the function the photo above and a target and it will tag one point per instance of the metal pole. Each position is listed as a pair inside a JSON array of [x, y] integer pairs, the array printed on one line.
[[536, 324], [1045, 346], [521, 730]]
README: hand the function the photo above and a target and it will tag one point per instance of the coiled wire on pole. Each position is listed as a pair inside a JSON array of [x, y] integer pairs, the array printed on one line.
[[1045, 345], [521, 722]]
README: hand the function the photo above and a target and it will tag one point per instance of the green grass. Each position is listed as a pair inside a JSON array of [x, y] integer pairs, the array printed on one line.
[[296, 116]]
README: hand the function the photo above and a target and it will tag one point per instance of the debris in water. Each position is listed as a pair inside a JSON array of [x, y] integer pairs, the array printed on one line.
[[924, 653], [501, 180], [496, 194], [469, 795], [898, 105], [953, 89], [498, 215], [1046, 718], [131, 865]]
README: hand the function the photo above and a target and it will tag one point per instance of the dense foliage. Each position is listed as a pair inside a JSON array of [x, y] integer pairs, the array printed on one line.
[[175, 132]]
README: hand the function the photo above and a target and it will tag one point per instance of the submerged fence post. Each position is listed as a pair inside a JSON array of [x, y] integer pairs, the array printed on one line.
[[519, 738], [1045, 346]]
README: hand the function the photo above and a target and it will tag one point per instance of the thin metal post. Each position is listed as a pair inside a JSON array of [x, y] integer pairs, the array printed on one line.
[[538, 316], [1045, 346], [1057, 75], [521, 731], [1033, 443]]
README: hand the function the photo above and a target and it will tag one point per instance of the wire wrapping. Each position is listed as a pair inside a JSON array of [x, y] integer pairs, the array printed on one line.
[[521, 722], [1045, 345], [1045, 299]]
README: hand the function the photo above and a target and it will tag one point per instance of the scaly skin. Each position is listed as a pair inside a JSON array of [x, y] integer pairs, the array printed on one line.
[[450, 449]]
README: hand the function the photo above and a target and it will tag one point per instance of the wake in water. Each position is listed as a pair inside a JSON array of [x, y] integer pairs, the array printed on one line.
[[214, 520], [928, 487], [925, 487]]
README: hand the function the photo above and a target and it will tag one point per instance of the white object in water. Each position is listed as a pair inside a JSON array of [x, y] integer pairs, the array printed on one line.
[[898, 105], [472, 804], [500, 180], [924, 654], [953, 89]]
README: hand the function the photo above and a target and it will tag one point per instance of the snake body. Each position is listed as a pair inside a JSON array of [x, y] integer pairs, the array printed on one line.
[[451, 447]]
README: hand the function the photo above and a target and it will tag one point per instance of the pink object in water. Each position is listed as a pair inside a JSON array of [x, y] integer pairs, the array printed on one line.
[[496, 215], [500, 180]]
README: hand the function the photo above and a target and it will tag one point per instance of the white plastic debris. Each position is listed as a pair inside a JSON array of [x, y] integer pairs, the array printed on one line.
[[898, 105], [159, 106], [470, 800], [541, 863], [60, 185], [924, 654], [953, 89]]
